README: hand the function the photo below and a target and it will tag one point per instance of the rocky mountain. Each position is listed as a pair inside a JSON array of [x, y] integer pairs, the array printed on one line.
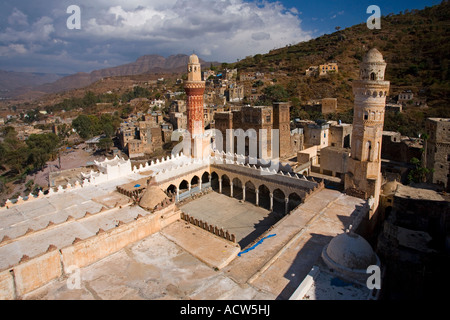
[[145, 64], [10, 81]]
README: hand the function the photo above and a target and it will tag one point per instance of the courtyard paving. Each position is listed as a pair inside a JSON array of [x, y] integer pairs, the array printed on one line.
[[167, 266], [243, 219]]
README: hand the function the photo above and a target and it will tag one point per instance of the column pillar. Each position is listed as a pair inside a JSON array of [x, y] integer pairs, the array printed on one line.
[[231, 189], [271, 201], [257, 197], [220, 185], [200, 184], [243, 193], [178, 194], [189, 187], [286, 206]]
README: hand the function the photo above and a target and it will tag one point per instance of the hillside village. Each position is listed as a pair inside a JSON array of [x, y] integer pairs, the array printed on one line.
[[65, 140], [150, 110]]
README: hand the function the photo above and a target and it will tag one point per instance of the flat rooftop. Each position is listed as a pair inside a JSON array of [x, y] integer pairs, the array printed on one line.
[[417, 194], [164, 266]]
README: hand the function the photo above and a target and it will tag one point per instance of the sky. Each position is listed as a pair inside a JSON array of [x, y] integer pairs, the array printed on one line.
[[34, 35]]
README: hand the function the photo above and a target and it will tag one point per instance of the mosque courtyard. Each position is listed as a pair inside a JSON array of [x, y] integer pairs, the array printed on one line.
[[178, 262]]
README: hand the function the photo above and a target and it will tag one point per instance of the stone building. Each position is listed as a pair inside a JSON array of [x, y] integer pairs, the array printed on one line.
[[126, 134], [437, 151], [329, 105], [363, 178], [258, 118], [327, 68], [414, 241], [178, 106], [340, 135], [316, 133], [234, 93], [400, 149], [405, 97], [281, 121], [151, 137], [178, 120], [140, 137], [333, 161], [297, 140], [135, 148]]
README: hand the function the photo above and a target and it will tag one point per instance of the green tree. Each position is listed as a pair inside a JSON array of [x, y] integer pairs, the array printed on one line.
[[48, 142], [83, 126], [90, 99], [17, 158], [105, 144], [275, 93], [42, 148], [419, 173]]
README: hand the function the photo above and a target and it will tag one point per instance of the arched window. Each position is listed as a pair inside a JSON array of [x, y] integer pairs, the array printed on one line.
[[368, 151], [372, 76], [366, 115]]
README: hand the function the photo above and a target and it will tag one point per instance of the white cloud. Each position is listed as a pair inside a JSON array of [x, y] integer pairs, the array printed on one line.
[[12, 49], [235, 27], [17, 17], [119, 32]]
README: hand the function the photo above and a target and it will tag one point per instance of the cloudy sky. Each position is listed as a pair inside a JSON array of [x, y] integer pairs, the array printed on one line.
[[34, 36]]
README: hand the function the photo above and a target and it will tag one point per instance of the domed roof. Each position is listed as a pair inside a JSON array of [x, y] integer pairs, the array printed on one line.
[[389, 187], [351, 251], [152, 197], [373, 56], [193, 59]]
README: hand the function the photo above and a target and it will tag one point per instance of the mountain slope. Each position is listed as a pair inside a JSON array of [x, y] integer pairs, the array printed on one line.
[[144, 64], [11, 81], [415, 45]]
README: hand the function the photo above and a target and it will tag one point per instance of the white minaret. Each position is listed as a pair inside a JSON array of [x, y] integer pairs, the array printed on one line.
[[363, 178]]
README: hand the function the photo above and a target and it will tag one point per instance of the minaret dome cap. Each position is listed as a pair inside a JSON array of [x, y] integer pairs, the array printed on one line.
[[373, 56], [193, 59]]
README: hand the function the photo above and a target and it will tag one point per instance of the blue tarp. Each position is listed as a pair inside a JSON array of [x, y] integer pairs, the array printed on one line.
[[137, 186], [257, 244]]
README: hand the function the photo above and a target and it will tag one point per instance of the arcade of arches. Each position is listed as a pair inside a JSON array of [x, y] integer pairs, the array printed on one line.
[[260, 194]]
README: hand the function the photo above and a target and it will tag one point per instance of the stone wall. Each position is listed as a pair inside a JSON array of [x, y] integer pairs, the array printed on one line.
[[334, 160], [209, 227], [30, 274]]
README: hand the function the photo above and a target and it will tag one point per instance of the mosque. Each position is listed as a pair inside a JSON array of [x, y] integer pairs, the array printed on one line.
[[117, 205]]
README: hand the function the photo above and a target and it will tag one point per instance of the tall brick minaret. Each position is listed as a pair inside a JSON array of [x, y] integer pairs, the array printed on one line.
[[194, 88], [363, 177]]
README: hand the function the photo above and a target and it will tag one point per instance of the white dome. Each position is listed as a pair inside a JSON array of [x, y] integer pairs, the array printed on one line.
[[194, 59], [350, 251], [373, 56]]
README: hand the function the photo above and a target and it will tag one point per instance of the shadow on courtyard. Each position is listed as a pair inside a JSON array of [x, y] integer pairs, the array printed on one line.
[[309, 256]]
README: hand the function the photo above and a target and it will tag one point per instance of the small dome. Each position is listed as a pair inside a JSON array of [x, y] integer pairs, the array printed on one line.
[[350, 251], [152, 197], [193, 59], [373, 56], [389, 187]]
